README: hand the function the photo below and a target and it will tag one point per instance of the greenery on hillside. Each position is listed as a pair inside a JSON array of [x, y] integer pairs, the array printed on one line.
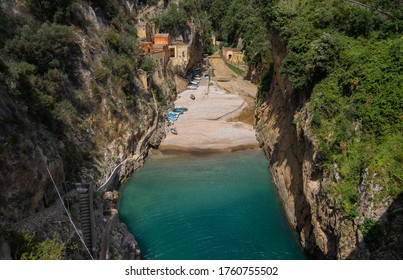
[[27, 246], [180, 19], [66, 80], [241, 24], [40, 58], [348, 59], [174, 20], [351, 61], [345, 58]]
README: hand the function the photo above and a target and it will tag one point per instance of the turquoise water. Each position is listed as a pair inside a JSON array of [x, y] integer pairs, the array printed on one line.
[[221, 206]]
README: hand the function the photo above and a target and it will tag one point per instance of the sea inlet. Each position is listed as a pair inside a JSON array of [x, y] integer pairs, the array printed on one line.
[[221, 206]]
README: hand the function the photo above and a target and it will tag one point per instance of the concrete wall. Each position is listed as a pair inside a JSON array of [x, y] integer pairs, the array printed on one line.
[[159, 58], [237, 57], [141, 31], [181, 54]]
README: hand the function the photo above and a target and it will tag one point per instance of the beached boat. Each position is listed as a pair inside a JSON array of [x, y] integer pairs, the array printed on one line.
[[192, 87], [180, 110], [173, 115], [173, 130], [183, 108]]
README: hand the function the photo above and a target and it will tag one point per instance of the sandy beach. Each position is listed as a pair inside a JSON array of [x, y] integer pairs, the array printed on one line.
[[210, 124]]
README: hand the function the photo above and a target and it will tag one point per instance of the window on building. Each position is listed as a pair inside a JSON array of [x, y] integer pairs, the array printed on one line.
[[172, 52]]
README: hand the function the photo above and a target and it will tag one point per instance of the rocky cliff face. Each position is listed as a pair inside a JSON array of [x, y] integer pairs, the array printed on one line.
[[98, 135], [283, 130], [25, 148], [278, 137], [109, 113], [195, 50]]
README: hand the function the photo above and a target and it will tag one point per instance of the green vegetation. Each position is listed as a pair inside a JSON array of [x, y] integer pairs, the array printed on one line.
[[26, 246], [243, 21], [148, 66], [264, 86], [353, 70], [52, 46], [230, 19], [239, 24], [174, 20], [37, 67], [101, 73], [113, 37], [177, 19], [235, 69], [50, 10], [373, 233], [41, 63], [110, 8], [348, 60]]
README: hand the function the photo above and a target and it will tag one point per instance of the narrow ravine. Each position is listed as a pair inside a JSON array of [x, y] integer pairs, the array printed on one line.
[[207, 193]]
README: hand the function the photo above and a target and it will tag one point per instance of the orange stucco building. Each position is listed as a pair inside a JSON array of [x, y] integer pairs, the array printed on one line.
[[159, 51], [147, 47], [162, 39]]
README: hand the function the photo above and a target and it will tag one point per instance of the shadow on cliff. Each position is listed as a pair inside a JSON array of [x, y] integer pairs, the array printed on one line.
[[383, 240], [291, 150]]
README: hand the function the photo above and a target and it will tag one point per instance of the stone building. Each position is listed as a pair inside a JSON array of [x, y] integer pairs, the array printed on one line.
[[179, 52], [233, 55], [161, 63], [144, 31], [164, 49], [158, 48]]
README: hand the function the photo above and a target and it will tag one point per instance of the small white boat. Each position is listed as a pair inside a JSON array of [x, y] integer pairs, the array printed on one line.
[[173, 130]]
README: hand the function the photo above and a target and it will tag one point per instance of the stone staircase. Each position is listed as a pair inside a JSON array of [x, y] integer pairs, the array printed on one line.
[[86, 215]]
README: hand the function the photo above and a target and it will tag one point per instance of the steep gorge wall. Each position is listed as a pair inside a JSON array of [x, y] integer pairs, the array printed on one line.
[[110, 118], [25, 184], [28, 145], [283, 133], [283, 127]]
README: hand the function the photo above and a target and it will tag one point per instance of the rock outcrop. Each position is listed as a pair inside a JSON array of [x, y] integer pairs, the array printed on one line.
[[284, 132], [110, 112]]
